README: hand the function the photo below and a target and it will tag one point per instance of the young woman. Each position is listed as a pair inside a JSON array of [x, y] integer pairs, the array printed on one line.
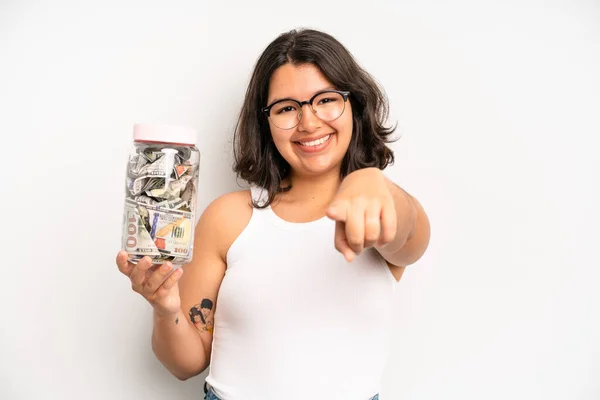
[[293, 279]]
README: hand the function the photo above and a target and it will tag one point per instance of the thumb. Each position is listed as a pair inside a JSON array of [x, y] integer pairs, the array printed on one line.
[[337, 211]]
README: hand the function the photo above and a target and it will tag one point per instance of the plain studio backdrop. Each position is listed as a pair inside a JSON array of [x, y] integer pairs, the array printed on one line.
[[497, 105]]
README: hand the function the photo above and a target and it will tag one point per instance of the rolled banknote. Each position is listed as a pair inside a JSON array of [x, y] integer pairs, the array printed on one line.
[[145, 200]]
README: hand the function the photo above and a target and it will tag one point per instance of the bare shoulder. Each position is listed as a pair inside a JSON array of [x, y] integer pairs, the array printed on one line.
[[236, 202], [224, 219]]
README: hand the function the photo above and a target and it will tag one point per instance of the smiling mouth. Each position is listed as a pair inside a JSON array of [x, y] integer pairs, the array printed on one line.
[[317, 142]]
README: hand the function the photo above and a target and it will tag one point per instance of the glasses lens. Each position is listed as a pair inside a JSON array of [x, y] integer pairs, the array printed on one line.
[[285, 114], [329, 106]]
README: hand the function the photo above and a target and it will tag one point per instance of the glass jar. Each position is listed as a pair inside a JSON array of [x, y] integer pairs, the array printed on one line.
[[161, 194]]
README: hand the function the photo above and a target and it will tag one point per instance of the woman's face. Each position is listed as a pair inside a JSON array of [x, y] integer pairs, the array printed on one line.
[[302, 146]]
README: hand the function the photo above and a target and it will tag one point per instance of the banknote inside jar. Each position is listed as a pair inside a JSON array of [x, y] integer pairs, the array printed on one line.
[[160, 203]]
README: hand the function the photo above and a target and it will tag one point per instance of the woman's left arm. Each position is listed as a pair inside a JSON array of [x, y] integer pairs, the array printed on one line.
[[412, 229]]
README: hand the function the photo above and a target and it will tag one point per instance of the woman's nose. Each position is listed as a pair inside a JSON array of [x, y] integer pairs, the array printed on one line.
[[309, 121]]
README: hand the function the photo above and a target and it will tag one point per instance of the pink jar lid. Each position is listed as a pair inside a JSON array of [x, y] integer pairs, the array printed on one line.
[[164, 133]]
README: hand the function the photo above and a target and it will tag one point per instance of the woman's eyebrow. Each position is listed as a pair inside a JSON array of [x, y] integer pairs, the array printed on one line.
[[276, 99]]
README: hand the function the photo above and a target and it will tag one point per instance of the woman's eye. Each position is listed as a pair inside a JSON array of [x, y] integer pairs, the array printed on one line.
[[326, 100], [285, 109]]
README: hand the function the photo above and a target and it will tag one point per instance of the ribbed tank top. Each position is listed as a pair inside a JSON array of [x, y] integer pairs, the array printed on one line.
[[295, 320]]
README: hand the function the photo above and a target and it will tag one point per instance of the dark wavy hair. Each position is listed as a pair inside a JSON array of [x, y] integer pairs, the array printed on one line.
[[257, 160]]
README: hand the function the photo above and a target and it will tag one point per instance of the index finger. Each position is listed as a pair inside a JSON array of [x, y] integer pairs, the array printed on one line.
[[122, 262], [341, 242], [338, 210]]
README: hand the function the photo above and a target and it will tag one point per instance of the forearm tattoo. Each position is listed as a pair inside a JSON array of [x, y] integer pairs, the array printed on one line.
[[201, 316]]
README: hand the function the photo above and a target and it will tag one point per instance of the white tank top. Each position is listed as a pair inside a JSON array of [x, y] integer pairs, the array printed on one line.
[[295, 320]]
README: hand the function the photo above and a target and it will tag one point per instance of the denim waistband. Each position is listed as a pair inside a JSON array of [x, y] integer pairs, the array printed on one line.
[[210, 394]]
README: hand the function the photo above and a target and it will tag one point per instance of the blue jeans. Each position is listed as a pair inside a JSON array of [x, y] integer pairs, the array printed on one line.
[[210, 395]]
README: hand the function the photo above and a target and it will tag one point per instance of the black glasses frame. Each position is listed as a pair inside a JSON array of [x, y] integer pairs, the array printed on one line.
[[343, 93]]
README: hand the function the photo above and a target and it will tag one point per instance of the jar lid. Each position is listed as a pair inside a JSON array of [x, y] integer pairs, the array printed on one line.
[[164, 133]]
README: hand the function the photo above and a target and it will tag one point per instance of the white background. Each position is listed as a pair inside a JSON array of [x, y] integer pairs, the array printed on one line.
[[498, 104]]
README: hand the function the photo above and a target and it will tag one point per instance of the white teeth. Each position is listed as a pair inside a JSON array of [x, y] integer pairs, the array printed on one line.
[[316, 142]]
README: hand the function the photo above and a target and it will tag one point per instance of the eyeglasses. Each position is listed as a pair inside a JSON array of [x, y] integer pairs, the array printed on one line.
[[328, 105]]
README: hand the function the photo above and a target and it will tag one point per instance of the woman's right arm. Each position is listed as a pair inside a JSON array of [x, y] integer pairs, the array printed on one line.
[[181, 345], [184, 304]]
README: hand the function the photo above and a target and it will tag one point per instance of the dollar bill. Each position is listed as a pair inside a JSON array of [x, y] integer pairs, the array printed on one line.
[[156, 168], [184, 154], [136, 185], [136, 163], [179, 205], [136, 238], [162, 234], [176, 204], [151, 154], [172, 191], [154, 183], [189, 195], [143, 184], [145, 200]]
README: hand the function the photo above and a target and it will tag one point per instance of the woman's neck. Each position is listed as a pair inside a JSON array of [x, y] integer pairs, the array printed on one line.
[[321, 188]]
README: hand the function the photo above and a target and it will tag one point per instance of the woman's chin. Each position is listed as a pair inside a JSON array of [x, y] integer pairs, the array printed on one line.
[[317, 167]]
